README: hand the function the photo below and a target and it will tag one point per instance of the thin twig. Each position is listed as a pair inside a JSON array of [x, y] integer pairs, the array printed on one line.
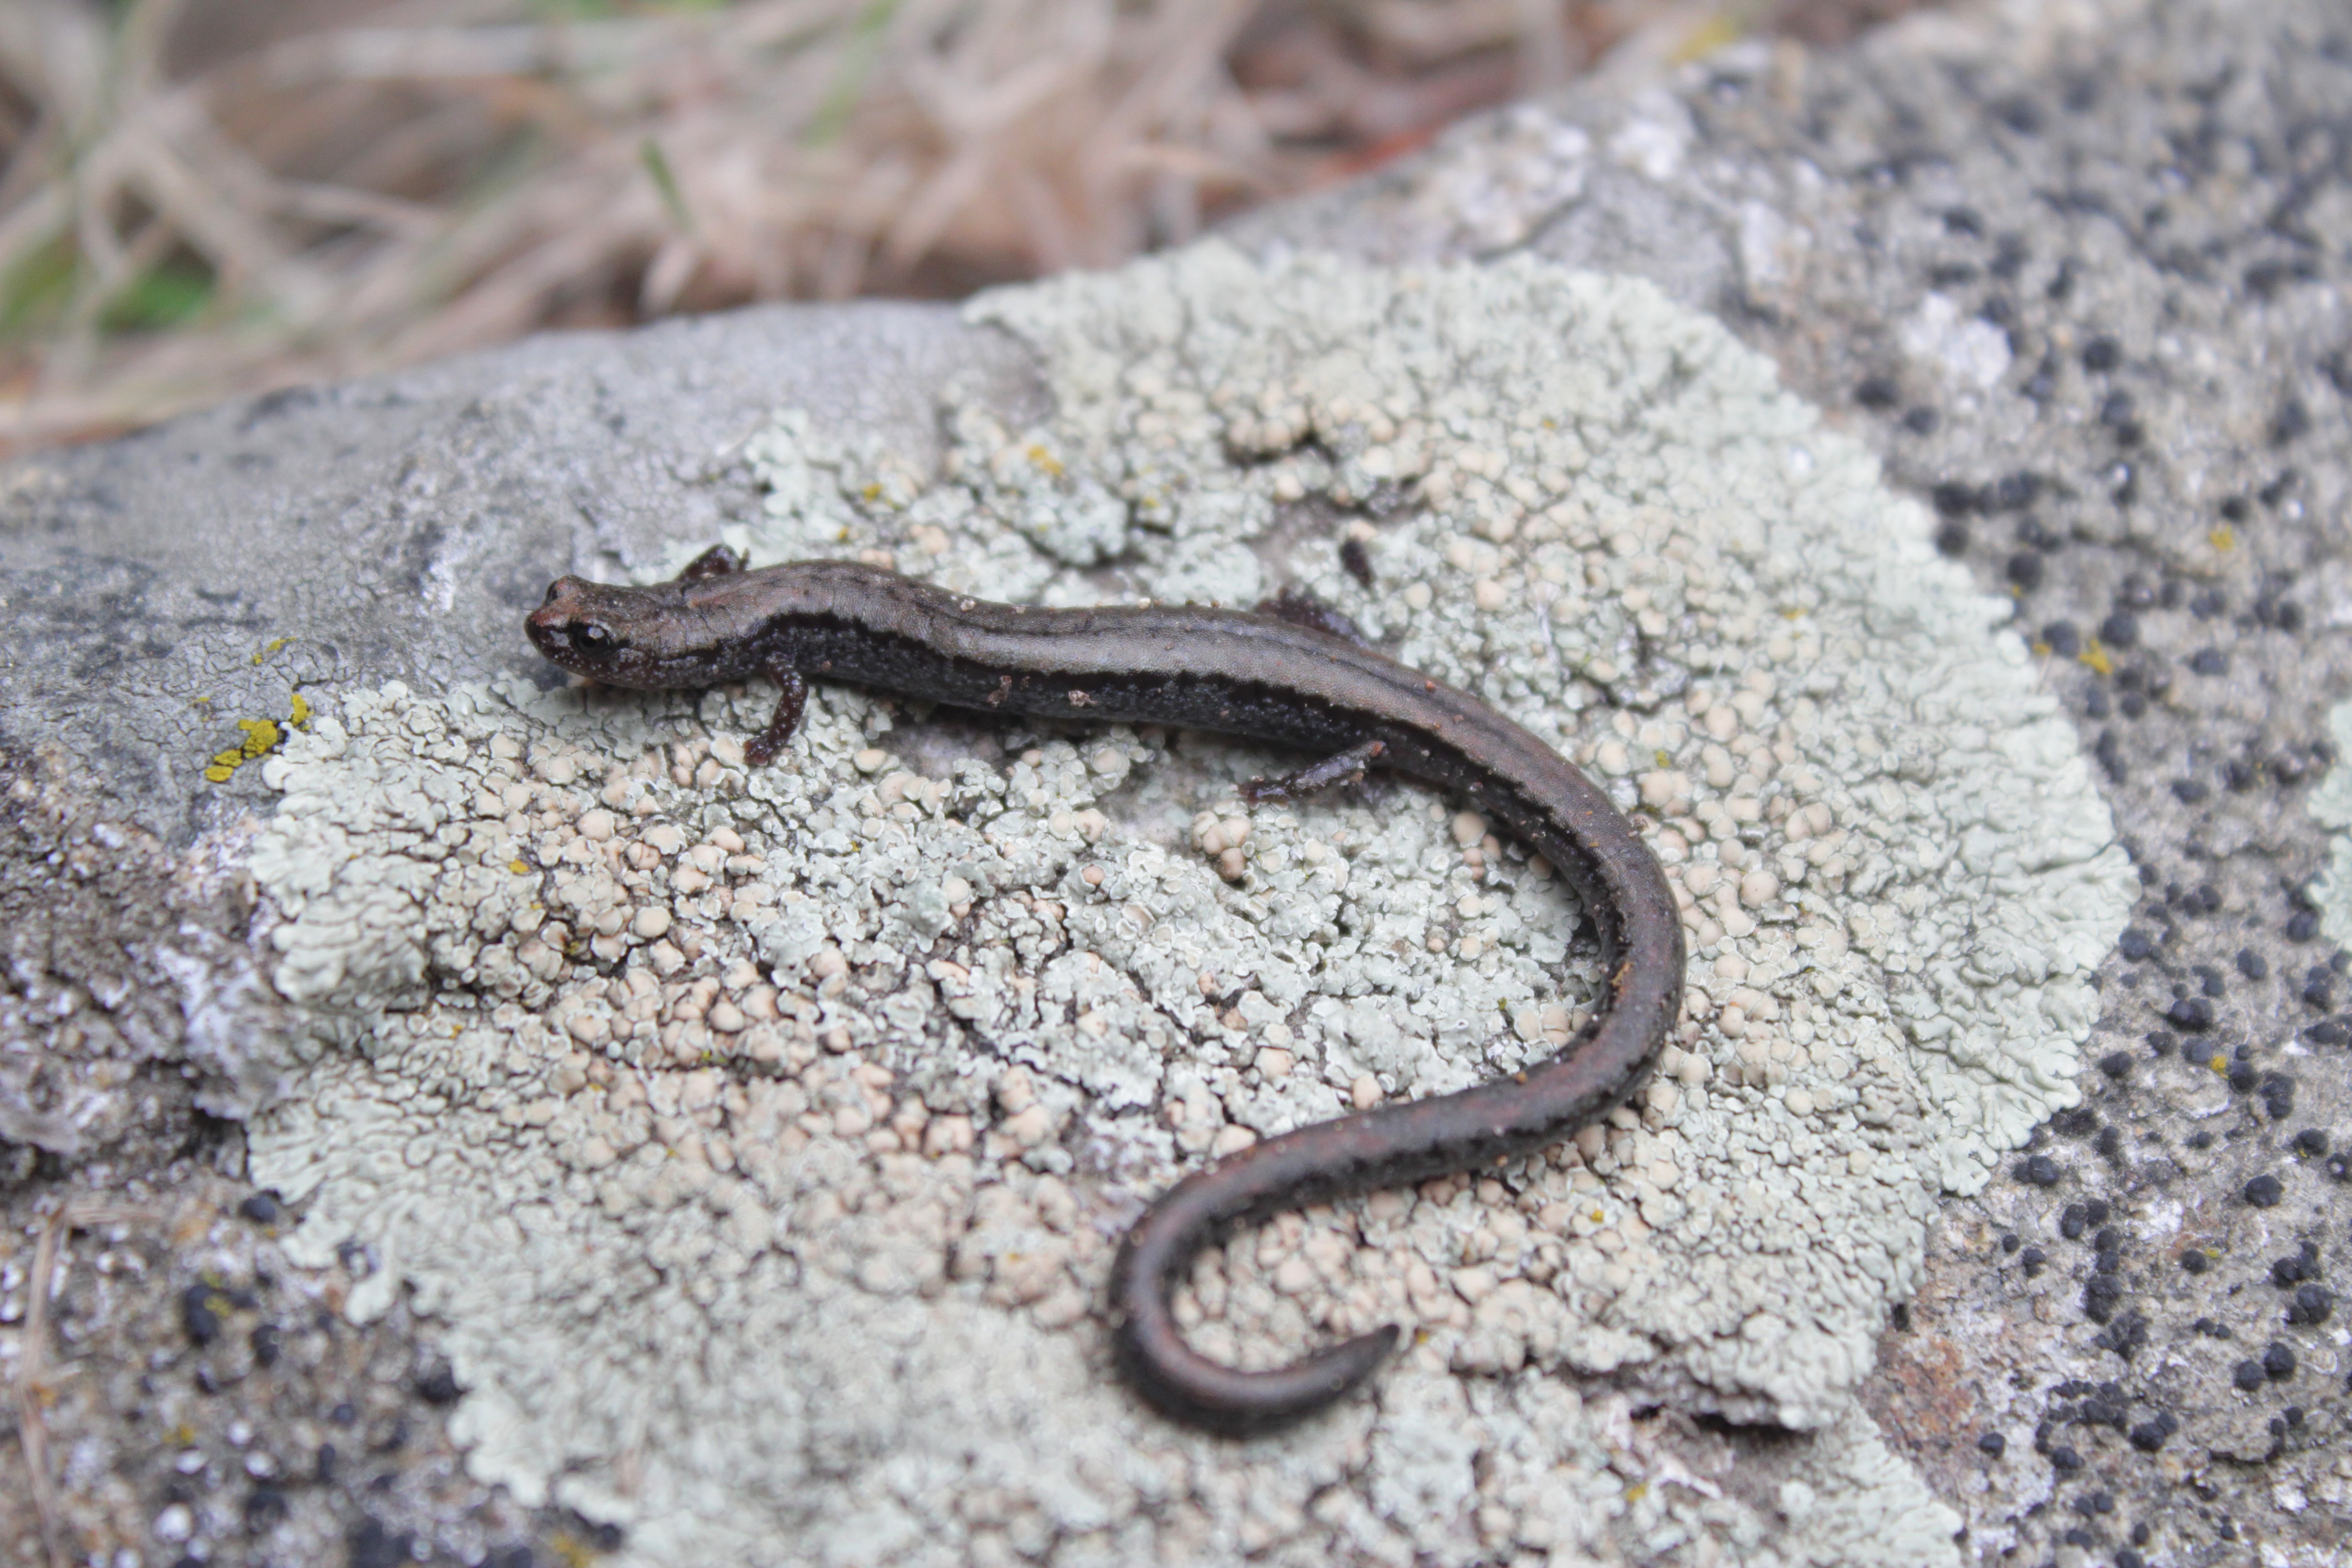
[[32, 1432]]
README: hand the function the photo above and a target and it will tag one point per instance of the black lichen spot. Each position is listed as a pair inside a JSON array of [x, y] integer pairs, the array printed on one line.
[[200, 1314], [2253, 964], [1922, 421], [2210, 661], [2265, 1192], [2247, 1376], [2116, 1065], [2101, 1293], [2278, 1362], [2120, 630], [2278, 1096], [2311, 1143], [2264, 279], [2161, 1042], [2025, 569], [2302, 1264], [1952, 537], [2032, 1260], [2063, 638], [2313, 1304], [261, 1208], [2291, 423], [438, 1385], [2065, 1459], [2102, 354], [2190, 792], [2135, 945], [2302, 925], [2039, 1169], [1954, 498], [2194, 1014], [2110, 753], [2151, 1435], [266, 1344], [2072, 1220], [1992, 1443], [1878, 393]]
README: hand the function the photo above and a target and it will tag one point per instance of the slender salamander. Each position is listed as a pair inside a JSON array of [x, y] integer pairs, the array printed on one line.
[[1282, 675]]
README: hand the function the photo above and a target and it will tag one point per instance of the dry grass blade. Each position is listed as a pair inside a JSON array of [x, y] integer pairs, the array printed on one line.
[[202, 197]]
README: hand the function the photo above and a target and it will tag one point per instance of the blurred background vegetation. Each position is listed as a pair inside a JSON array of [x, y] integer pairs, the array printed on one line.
[[206, 199]]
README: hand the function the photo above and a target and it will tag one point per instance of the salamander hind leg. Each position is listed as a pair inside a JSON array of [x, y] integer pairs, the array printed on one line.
[[719, 561], [1301, 608], [769, 744], [1339, 768]]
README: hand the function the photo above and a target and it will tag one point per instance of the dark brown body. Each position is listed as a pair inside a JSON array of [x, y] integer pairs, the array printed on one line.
[[1257, 675]]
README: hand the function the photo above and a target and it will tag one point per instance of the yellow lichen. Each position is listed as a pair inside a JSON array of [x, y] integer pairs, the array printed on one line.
[[262, 736]]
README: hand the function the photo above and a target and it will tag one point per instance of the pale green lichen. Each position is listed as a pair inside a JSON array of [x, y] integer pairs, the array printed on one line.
[[762, 1135], [2331, 807]]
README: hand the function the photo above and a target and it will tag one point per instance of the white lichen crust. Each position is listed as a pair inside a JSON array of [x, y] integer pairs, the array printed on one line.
[[763, 1136]]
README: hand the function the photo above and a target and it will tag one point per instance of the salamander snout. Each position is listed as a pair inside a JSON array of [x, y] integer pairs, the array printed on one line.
[[569, 633]]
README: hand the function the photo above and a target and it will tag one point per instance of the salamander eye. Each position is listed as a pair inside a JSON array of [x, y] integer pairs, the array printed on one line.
[[552, 589], [590, 637]]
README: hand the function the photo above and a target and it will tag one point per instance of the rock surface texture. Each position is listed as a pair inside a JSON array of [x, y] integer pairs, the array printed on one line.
[[454, 1116]]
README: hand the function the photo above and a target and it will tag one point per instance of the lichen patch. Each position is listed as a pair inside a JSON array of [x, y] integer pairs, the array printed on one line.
[[764, 1135], [2331, 807]]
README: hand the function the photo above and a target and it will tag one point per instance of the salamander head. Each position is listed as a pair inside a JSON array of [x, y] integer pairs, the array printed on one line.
[[649, 637]]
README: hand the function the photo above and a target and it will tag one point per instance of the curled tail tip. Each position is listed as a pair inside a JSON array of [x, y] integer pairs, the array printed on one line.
[[1186, 1386]]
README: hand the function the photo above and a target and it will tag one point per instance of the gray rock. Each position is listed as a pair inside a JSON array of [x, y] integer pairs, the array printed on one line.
[[2078, 287]]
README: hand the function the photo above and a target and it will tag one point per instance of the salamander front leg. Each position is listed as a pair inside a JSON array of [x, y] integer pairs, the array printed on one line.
[[1339, 768], [769, 744], [719, 561]]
